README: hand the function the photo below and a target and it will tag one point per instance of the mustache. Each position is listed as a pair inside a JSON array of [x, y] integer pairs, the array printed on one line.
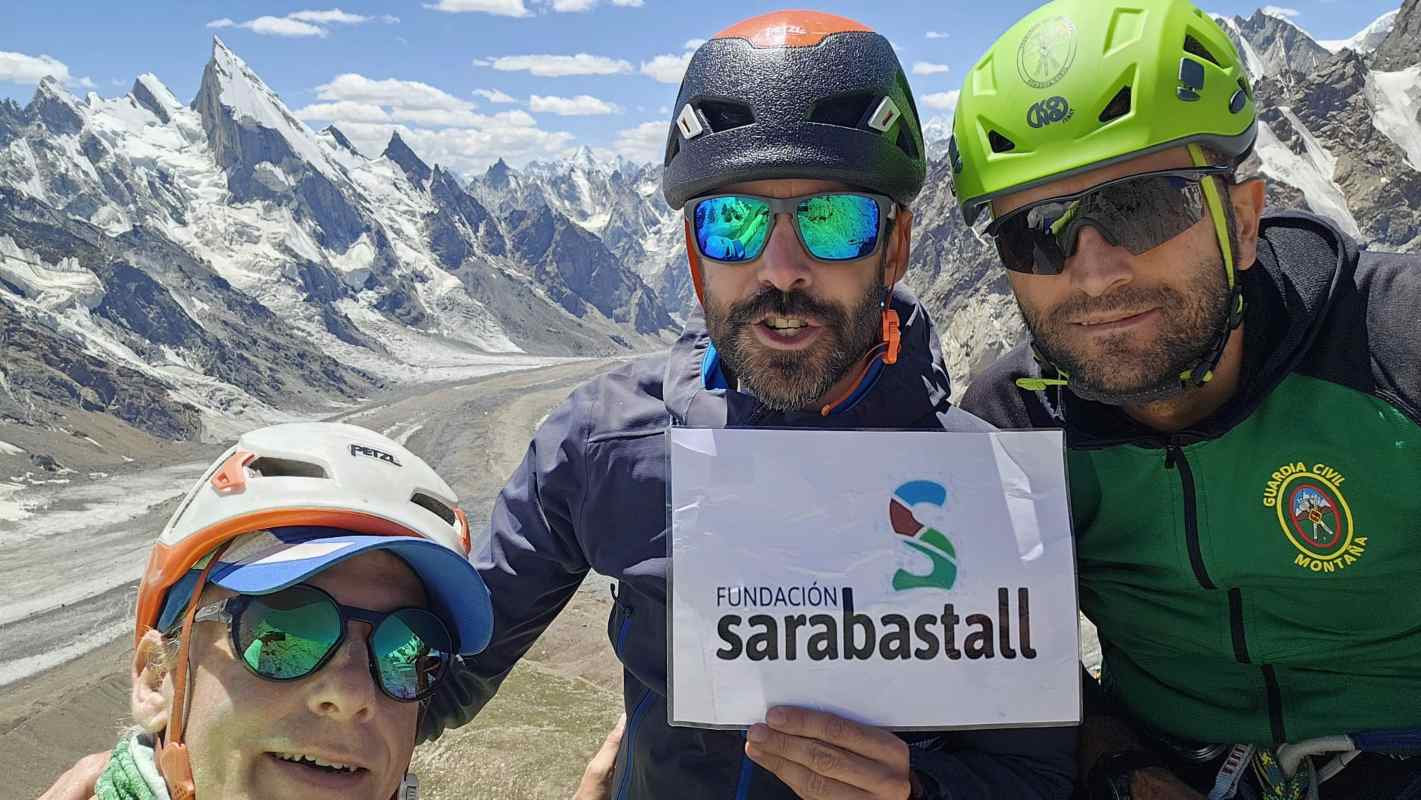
[[1126, 299], [772, 302]]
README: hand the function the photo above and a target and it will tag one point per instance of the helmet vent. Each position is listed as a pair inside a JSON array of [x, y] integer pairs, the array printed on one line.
[[845, 111], [1194, 47], [905, 142], [1000, 143], [1119, 106], [440, 509], [723, 116], [268, 467]]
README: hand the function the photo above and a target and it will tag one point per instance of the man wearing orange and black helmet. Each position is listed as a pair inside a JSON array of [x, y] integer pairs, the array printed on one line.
[[794, 151]]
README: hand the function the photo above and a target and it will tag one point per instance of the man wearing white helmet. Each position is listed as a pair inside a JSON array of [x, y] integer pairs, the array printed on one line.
[[332, 594]]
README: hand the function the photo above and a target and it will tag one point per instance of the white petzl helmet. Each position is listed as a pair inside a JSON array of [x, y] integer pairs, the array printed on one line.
[[318, 474]]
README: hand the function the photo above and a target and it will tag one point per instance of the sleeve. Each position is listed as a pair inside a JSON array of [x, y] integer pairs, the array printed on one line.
[[532, 564], [1027, 764]]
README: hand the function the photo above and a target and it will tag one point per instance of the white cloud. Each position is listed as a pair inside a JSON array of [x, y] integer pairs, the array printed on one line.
[[495, 96], [300, 23], [501, 8], [580, 106], [667, 68], [936, 35], [389, 92], [566, 6], [941, 101], [282, 26], [447, 118], [645, 142], [27, 69], [692, 44], [929, 68], [344, 110], [1282, 12], [551, 66], [328, 17]]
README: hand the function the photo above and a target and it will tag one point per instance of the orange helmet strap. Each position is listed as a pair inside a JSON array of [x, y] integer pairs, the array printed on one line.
[[892, 333], [173, 761]]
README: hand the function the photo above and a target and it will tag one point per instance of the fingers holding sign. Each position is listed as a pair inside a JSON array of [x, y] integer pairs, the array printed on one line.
[[825, 757]]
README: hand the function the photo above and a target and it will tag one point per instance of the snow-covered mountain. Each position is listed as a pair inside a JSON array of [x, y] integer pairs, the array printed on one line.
[[1368, 39], [180, 265]]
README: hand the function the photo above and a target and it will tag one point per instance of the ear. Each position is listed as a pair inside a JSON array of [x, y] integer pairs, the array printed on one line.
[[1249, 199], [896, 264], [152, 693]]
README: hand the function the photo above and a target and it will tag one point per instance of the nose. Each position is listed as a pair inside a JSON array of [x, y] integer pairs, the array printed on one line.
[[785, 266], [1097, 267], [344, 689]]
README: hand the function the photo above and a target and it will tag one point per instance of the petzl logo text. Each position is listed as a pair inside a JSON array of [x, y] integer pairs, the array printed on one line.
[[925, 539], [362, 450]]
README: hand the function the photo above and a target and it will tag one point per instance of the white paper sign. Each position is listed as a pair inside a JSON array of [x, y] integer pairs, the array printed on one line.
[[902, 579]]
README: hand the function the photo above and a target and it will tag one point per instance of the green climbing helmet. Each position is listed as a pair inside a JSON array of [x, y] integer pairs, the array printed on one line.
[[1078, 84]]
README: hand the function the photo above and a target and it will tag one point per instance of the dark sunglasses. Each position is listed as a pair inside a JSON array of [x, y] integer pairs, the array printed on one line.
[[1137, 212], [292, 633], [832, 226]]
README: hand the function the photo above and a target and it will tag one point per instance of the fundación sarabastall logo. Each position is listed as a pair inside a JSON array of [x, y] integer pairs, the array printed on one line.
[[924, 539]]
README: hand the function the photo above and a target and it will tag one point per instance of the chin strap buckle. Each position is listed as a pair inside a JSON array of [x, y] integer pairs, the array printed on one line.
[[176, 769], [892, 336]]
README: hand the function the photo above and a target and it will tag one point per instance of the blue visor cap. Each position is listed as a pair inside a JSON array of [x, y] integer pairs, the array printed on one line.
[[271, 560]]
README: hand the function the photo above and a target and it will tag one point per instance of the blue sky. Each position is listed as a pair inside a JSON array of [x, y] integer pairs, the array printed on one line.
[[472, 80]]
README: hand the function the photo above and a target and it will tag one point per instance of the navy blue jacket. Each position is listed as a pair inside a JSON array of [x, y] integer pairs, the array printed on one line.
[[591, 495]]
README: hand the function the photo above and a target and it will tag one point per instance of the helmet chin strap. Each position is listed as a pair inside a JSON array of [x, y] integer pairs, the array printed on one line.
[[172, 758], [1203, 371]]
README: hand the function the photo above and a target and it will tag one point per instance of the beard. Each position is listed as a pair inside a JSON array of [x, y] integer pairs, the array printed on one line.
[[1125, 369], [794, 380]]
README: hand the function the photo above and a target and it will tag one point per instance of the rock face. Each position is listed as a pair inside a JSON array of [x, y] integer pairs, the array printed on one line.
[[416, 170], [1283, 47], [1402, 47]]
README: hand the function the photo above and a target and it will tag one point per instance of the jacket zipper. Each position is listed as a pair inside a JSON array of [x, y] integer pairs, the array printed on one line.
[[630, 739], [1175, 460], [623, 628]]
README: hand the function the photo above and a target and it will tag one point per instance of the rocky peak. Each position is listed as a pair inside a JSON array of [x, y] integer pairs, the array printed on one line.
[[59, 109], [1281, 45], [1402, 47], [152, 94], [499, 176], [586, 160], [415, 169], [339, 138]]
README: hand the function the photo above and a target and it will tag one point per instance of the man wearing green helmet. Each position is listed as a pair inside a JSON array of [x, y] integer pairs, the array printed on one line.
[[1240, 392]]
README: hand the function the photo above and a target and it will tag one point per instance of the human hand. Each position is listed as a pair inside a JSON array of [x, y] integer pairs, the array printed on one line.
[[825, 757], [81, 781], [597, 778]]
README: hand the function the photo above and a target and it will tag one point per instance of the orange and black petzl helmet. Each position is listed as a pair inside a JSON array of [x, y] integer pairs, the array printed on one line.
[[795, 94]]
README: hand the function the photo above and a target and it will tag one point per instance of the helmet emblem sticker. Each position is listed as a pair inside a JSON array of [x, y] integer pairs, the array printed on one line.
[[1049, 111], [370, 452], [1047, 52], [1314, 516]]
